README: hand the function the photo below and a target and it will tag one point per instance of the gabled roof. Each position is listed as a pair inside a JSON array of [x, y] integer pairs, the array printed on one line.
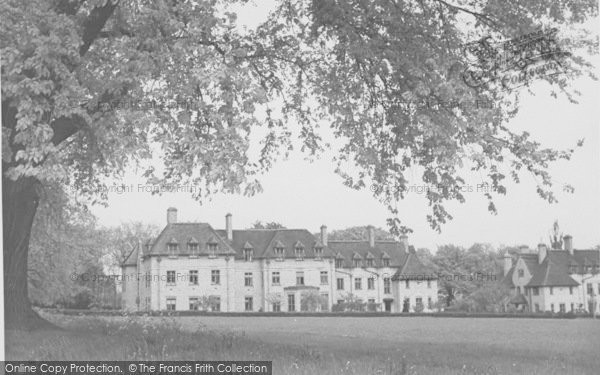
[[131, 259], [414, 269], [266, 240], [507, 279], [395, 250], [551, 274], [180, 233]]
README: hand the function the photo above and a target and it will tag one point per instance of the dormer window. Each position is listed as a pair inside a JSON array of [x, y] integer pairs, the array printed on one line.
[[356, 263], [248, 254], [279, 253], [386, 262], [299, 251], [588, 269], [212, 249], [193, 246], [318, 252], [339, 263], [573, 268], [172, 247], [370, 262]]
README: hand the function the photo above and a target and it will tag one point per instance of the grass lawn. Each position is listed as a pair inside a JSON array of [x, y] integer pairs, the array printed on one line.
[[327, 345]]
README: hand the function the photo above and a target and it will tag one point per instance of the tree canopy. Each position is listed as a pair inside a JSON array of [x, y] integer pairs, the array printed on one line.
[[90, 87]]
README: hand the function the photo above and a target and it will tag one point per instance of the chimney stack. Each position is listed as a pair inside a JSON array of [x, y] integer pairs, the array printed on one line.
[[404, 241], [324, 235], [371, 235], [171, 215], [568, 243], [542, 252], [507, 263], [229, 227]]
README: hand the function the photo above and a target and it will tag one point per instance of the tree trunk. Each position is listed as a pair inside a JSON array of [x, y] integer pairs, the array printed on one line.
[[20, 200]]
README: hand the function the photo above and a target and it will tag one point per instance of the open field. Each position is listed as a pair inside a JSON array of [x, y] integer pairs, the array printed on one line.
[[303, 345]]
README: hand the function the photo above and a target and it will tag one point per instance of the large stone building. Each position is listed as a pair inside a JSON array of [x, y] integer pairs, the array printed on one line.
[[191, 266], [563, 280]]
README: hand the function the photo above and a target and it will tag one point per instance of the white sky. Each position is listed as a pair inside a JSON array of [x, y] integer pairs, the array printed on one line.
[[301, 194]]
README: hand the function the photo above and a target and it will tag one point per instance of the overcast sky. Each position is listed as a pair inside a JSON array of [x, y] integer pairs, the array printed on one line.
[[302, 194]]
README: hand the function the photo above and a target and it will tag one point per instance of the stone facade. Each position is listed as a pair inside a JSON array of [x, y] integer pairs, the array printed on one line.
[[192, 266]]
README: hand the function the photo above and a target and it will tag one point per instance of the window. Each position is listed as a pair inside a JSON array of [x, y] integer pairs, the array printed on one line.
[[212, 249], [171, 303], [193, 248], [170, 277], [299, 251], [419, 301], [248, 304], [318, 252], [338, 263], [279, 252], [193, 303], [340, 284], [428, 284], [572, 307], [536, 291], [324, 278], [248, 253], [573, 268], [429, 303], [588, 269], [387, 285], [248, 279], [172, 247], [299, 278], [324, 302], [590, 289], [571, 290], [276, 306], [356, 263], [275, 278], [537, 307], [552, 307], [562, 308], [215, 277], [216, 304], [358, 283], [521, 273], [551, 292], [407, 284], [369, 262], [291, 302], [340, 301], [386, 262], [147, 299], [193, 277], [371, 283]]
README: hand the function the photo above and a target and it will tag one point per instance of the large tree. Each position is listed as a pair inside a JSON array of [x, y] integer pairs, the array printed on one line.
[[90, 86]]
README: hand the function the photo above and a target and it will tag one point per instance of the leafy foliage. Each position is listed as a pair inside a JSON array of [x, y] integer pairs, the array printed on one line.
[[92, 86], [359, 233], [267, 225]]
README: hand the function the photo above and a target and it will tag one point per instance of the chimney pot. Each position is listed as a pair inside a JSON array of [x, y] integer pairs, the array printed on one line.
[[324, 235], [404, 241], [568, 243], [229, 227], [371, 235], [507, 263], [542, 252], [171, 215]]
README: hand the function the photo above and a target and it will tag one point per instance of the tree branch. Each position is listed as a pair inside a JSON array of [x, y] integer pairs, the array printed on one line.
[[94, 24]]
